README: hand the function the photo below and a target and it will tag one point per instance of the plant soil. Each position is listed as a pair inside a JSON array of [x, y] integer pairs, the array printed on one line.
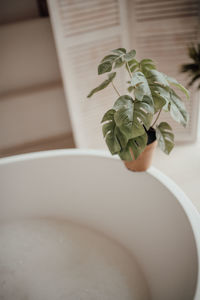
[[151, 135]]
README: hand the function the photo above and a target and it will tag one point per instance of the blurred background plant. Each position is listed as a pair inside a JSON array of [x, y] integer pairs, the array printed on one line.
[[193, 68]]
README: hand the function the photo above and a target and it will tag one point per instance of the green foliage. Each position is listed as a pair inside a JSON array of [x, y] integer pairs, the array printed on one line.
[[153, 76], [103, 85], [126, 117], [129, 56], [110, 132], [177, 109], [160, 97], [136, 146], [116, 60], [165, 137], [193, 68], [119, 51], [126, 125], [140, 85], [132, 65], [174, 82], [104, 67], [147, 64]]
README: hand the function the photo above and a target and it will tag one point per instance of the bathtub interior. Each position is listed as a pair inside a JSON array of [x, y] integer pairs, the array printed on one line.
[[135, 209]]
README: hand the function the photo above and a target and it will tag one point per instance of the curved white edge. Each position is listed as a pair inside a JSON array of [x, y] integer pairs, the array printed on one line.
[[189, 209], [54, 153]]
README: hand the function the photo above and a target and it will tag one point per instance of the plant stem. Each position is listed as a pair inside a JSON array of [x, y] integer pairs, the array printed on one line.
[[158, 115], [129, 70], [114, 87]]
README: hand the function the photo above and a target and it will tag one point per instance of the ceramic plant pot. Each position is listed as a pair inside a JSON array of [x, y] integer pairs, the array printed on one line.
[[143, 162]]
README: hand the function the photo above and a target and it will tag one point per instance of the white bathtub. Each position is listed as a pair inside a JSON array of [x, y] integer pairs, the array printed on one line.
[[146, 212]]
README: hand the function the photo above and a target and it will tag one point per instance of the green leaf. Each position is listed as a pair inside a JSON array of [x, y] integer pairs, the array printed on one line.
[[131, 116], [123, 140], [111, 139], [118, 58], [147, 104], [130, 55], [161, 96], [174, 82], [111, 76], [123, 101], [147, 61], [146, 64], [109, 132], [133, 65], [104, 67], [177, 109], [142, 115], [141, 86], [130, 89], [103, 85], [108, 116], [165, 137], [125, 154], [119, 62], [125, 121], [109, 58], [107, 127], [119, 51], [113, 136], [124, 118], [159, 101], [154, 76], [136, 145], [121, 57]]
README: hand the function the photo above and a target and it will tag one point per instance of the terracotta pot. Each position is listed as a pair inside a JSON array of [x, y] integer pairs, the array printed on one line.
[[143, 162]]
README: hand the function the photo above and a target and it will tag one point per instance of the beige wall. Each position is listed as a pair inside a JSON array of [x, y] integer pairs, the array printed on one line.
[[28, 55], [32, 116], [32, 101], [16, 10]]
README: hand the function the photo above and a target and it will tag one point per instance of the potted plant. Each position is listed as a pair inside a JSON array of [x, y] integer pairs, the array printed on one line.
[[128, 127], [193, 68]]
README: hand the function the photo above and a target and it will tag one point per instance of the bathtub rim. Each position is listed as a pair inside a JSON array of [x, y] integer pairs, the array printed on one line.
[[188, 208]]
